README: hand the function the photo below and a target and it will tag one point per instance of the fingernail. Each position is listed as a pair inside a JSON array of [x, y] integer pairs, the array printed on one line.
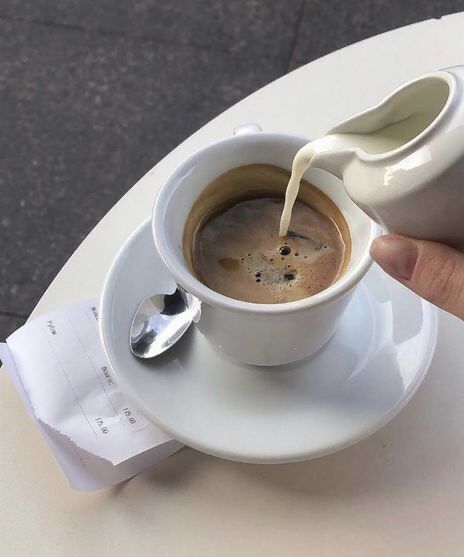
[[396, 255]]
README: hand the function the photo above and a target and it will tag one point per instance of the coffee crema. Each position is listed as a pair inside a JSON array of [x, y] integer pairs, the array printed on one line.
[[231, 238]]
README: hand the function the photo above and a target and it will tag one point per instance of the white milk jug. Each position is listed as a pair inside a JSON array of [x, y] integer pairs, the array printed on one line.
[[402, 161]]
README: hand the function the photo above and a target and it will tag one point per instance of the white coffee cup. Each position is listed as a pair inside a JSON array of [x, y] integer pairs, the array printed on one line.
[[259, 334]]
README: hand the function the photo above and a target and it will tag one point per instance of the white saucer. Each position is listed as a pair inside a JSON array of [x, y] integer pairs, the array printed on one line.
[[355, 385]]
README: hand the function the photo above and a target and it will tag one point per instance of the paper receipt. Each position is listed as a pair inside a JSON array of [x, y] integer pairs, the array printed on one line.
[[60, 361]]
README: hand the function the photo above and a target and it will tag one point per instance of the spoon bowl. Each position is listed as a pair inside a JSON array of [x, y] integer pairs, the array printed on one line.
[[161, 320]]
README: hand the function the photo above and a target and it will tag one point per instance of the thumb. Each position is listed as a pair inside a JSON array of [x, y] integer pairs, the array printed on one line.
[[433, 271]]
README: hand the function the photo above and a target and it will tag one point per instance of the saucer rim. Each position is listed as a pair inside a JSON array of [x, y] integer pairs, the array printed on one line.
[[126, 388]]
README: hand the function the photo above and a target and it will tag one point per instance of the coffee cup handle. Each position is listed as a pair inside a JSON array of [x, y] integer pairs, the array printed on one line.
[[246, 129]]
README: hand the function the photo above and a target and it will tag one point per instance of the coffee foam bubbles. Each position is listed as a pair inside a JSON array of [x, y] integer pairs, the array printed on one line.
[[240, 253], [231, 238]]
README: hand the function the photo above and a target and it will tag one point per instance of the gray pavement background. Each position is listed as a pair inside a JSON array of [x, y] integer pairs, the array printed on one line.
[[94, 93]]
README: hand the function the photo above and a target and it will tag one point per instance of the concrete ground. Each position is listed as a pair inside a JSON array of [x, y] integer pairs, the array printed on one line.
[[94, 93]]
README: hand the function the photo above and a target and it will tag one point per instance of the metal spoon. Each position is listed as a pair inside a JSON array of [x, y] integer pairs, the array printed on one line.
[[161, 320]]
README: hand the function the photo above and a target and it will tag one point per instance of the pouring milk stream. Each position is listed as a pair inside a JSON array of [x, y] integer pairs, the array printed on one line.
[[402, 161]]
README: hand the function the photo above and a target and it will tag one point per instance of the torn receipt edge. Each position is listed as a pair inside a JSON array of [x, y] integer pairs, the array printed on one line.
[[57, 364]]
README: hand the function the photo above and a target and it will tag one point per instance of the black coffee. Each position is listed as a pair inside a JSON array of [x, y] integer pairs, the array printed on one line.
[[232, 242]]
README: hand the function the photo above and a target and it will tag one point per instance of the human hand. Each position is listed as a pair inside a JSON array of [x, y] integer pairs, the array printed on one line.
[[433, 271]]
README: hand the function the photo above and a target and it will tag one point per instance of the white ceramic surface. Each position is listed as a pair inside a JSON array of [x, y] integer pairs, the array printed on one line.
[[399, 493], [414, 187], [353, 386], [260, 334]]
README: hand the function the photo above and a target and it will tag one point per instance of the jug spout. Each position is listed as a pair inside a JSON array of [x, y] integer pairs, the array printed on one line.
[[334, 160], [331, 153]]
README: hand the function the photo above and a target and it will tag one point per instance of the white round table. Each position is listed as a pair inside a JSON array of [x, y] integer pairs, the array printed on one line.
[[400, 492]]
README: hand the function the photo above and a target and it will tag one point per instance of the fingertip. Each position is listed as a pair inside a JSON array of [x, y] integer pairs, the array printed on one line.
[[396, 254], [381, 245], [376, 246]]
